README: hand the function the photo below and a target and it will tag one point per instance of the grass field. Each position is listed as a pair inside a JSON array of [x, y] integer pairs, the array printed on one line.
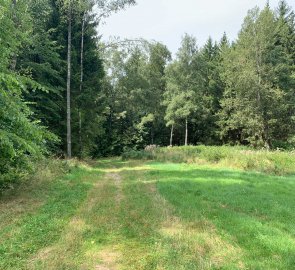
[[114, 214]]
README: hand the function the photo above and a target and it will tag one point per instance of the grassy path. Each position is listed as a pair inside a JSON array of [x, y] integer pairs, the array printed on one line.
[[132, 215]]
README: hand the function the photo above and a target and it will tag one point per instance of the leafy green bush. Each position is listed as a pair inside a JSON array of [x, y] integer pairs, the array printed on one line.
[[22, 140]]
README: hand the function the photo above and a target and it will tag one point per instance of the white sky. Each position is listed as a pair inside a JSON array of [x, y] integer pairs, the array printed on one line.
[[167, 20]]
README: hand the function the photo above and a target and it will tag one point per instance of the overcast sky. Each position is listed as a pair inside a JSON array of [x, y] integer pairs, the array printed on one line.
[[168, 20]]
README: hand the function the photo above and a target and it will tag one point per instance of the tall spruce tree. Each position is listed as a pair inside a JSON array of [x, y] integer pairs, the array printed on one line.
[[255, 106]]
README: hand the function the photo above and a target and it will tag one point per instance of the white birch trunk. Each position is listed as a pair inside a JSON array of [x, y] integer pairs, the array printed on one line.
[[171, 136], [186, 132]]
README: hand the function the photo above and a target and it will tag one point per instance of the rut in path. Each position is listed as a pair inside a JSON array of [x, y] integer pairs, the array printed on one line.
[[117, 178], [86, 219], [111, 256]]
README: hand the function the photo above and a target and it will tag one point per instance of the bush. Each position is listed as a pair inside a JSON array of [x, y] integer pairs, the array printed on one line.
[[134, 154], [45, 170], [22, 140]]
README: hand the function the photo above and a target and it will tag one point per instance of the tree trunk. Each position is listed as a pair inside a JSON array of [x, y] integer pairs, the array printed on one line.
[[13, 61], [69, 140], [152, 135], [258, 97], [171, 136], [186, 132], [81, 82]]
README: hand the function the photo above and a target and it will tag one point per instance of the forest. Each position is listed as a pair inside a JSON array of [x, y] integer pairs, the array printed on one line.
[[65, 93], [123, 155]]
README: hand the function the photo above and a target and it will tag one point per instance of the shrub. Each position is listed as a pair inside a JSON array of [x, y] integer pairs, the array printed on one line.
[[44, 170], [133, 154], [22, 140]]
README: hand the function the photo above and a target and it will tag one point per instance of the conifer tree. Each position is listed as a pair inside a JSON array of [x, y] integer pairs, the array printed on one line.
[[255, 105]]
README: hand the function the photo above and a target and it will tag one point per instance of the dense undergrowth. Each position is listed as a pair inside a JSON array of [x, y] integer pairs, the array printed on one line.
[[40, 172], [265, 161]]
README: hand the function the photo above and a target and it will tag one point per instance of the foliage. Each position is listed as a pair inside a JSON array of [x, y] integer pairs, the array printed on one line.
[[131, 93], [133, 90], [258, 106], [133, 154], [182, 90], [22, 141], [15, 30]]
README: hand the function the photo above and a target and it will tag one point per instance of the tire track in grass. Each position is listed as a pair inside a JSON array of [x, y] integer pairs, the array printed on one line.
[[155, 238], [42, 228], [73, 250], [120, 221], [110, 257]]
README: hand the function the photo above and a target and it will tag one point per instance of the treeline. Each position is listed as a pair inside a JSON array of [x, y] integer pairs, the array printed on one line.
[[51, 72], [240, 92], [64, 92]]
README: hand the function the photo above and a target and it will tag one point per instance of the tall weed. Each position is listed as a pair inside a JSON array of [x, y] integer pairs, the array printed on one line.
[[265, 161]]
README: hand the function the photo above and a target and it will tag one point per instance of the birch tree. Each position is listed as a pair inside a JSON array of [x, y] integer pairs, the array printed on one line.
[[181, 94]]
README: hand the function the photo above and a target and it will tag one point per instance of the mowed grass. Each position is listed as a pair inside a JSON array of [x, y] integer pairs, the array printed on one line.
[[251, 212], [35, 218], [113, 214]]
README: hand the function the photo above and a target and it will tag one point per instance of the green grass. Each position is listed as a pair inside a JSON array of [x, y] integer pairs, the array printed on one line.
[[253, 212], [36, 230], [113, 214]]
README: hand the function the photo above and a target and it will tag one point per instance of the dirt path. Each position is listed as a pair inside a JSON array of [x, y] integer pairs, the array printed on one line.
[[135, 215]]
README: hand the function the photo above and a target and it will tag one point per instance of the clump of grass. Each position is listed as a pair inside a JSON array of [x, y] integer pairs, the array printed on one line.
[[133, 154], [265, 161]]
